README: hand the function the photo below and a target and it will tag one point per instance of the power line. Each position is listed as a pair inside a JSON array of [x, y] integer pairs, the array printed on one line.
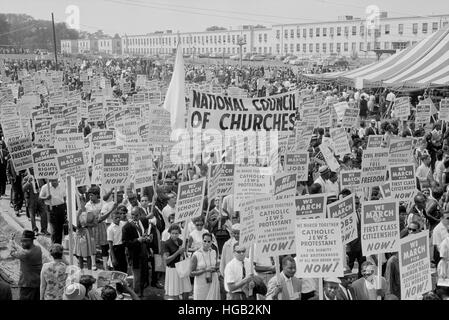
[[15, 30]]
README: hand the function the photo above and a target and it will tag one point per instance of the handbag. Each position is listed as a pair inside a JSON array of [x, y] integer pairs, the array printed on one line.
[[159, 263], [183, 267]]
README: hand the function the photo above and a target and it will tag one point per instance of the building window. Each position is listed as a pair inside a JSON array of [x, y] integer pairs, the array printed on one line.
[[361, 47], [445, 23], [354, 30], [265, 37], [229, 38], [278, 46], [387, 29], [415, 28], [264, 49], [377, 45], [285, 34], [424, 27], [304, 33], [331, 31], [317, 32], [346, 47], [368, 46], [324, 32], [298, 47], [386, 45], [370, 32], [331, 47], [292, 47], [338, 31], [260, 37], [244, 38], [311, 32], [317, 47], [434, 26], [310, 47], [298, 33], [324, 47], [285, 48], [292, 33], [338, 47], [304, 47], [377, 32], [354, 47], [346, 31], [401, 28]]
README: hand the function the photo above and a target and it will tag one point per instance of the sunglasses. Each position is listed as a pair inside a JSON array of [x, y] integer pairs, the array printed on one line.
[[412, 230], [240, 251]]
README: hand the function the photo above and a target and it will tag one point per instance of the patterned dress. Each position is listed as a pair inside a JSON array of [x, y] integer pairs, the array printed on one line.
[[54, 274], [84, 238], [100, 228]]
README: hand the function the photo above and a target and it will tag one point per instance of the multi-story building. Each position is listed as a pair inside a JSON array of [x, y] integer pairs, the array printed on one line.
[[69, 46], [110, 45], [348, 36], [351, 36]]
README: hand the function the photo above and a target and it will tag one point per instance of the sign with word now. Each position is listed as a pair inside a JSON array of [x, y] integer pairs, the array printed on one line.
[[190, 200]]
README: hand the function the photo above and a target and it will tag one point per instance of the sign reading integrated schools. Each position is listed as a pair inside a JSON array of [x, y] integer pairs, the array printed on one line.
[[190, 200], [211, 111]]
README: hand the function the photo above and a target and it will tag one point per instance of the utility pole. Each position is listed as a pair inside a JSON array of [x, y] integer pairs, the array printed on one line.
[[54, 40], [241, 43]]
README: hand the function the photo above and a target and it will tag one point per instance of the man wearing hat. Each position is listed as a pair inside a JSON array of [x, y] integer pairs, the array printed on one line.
[[372, 130], [331, 287], [344, 292], [322, 180], [30, 257], [74, 291]]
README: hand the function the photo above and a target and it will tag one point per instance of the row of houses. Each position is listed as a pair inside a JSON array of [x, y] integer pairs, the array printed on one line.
[[347, 36]]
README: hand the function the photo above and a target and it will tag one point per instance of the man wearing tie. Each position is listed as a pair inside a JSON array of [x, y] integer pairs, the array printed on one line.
[[285, 286], [344, 292], [237, 275]]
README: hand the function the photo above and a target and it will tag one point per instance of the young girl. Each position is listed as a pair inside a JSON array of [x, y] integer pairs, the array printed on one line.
[[84, 239]]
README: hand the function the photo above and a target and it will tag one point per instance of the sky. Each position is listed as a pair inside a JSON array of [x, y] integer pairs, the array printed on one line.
[[145, 16]]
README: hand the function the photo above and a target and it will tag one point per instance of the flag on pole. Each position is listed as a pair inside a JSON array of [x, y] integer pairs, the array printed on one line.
[[175, 96]]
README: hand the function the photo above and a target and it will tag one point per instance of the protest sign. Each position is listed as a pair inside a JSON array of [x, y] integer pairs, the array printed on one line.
[[351, 180], [213, 180], [402, 108], [345, 210], [73, 164], [444, 110], [350, 118], [385, 189], [284, 185], [298, 163], [374, 167], [380, 227], [374, 142], [341, 143], [68, 139], [423, 113], [101, 138], [250, 181], [319, 250], [116, 169], [143, 170], [226, 180], [190, 199], [44, 164], [328, 155], [110, 278], [20, 151], [96, 112], [247, 221], [311, 206], [402, 181], [159, 125], [42, 131], [400, 151], [208, 111], [275, 226], [340, 108], [414, 265], [97, 168]]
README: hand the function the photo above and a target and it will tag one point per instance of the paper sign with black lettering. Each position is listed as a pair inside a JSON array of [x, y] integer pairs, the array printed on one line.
[[251, 181], [319, 250], [73, 164], [311, 206], [380, 227], [143, 170], [68, 139], [341, 143], [402, 181], [220, 112], [414, 265], [284, 185], [275, 226], [247, 221], [226, 180], [344, 209], [116, 169], [20, 151], [298, 162], [350, 118], [374, 167], [423, 113], [102, 138], [401, 151], [351, 180], [374, 142], [444, 110], [385, 189], [44, 164], [190, 200], [97, 168]]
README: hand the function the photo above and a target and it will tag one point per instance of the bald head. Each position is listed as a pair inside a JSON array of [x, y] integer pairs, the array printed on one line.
[[420, 201], [135, 213]]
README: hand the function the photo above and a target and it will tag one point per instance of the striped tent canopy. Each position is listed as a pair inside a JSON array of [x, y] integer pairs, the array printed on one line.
[[422, 66]]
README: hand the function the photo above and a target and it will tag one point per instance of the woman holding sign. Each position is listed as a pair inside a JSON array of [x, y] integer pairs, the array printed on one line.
[[204, 268]]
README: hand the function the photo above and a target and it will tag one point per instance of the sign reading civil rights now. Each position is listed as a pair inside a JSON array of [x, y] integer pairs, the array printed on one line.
[[380, 227], [190, 199], [374, 167]]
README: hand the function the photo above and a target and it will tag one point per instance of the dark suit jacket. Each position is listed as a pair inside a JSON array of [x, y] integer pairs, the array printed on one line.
[[129, 239], [359, 289]]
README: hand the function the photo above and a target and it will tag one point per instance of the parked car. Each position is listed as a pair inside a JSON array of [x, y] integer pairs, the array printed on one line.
[[257, 57], [280, 57], [288, 58], [203, 55], [235, 57]]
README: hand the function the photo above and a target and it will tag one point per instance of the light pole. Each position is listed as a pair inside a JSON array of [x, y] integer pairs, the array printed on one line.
[[241, 43]]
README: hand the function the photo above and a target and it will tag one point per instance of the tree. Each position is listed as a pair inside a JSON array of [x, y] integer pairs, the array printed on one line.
[[4, 31], [215, 28]]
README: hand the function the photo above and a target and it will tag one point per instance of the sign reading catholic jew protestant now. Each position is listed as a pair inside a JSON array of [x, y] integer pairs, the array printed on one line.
[[220, 112], [380, 227], [319, 249], [344, 209], [190, 200], [116, 168], [414, 264]]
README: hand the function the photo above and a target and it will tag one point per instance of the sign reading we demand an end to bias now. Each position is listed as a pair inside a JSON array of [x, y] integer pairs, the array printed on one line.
[[380, 227], [414, 264], [190, 199], [319, 249]]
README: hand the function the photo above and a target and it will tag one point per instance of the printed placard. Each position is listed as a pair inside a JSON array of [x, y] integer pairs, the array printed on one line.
[[350, 118], [344, 209], [380, 227], [20, 151], [44, 164], [319, 250], [299, 163], [400, 151], [341, 142], [351, 180], [385, 189], [312, 206], [402, 181], [374, 142], [226, 180], [247, 221], [116, 169], [423, 113], [250, 181], [284, 185], [444, 110], [73, 164], [414, 264], [402, 107], [190, 200], [143, 170], [68, 139], [374, 167], [275, 226]]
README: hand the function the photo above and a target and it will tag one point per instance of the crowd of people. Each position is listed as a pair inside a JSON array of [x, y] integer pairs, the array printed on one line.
[[133, 231]]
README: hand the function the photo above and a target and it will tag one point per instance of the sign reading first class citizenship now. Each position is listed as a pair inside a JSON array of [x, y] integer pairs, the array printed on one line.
[[190, 200]]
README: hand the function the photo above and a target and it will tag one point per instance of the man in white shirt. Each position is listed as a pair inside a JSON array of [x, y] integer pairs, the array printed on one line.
[[237, 275], [423, 172], [439, 233], [116, 247], [169, 208], [53, 194], [227, 252], [325, 174], [228, 205]]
